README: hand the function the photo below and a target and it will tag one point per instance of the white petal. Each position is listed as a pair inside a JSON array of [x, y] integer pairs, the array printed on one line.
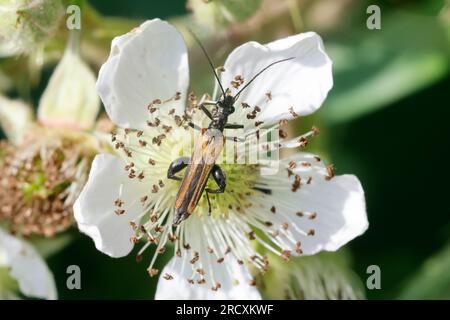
[[94, 208], [27, 267], [341, 213], [341, 205], [302, 83], [234, 280], [148, 63], [15, 118], [338, 204]]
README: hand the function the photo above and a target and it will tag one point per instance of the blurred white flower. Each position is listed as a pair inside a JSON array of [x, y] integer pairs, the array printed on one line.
[[301, 210], [21, 264], [43, 166], [25, 24], [45, 162]]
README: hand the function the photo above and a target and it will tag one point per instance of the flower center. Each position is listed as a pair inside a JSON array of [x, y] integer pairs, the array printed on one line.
[[207, 237]]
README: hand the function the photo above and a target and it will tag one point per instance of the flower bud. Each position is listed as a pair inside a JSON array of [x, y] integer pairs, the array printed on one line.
[[324, 276], [70, 99]]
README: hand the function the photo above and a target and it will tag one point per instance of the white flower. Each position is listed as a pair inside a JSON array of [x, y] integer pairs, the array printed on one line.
[[21, 262], [304, 209], [45, 162]]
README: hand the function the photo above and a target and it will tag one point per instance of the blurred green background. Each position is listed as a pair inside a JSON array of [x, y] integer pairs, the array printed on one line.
[[386, 120]]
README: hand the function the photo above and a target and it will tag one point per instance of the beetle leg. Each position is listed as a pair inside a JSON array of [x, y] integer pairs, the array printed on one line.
[[203, 103], [206, 111], [236, 139], [234, 126], [194, 126], [176, 166], [219, 177]]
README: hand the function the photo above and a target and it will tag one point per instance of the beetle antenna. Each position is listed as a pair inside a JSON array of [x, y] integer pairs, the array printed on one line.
[[259, 73], [209, 60]]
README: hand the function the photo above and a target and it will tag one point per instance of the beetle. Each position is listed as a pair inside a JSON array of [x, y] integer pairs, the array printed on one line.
[[201, 165]]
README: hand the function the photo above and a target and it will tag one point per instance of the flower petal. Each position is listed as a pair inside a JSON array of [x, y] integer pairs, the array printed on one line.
[[341, 207], [27, 267], [301, 83], [146, 64], [95, 208], [321, 214], [234, 280], [15, 118]]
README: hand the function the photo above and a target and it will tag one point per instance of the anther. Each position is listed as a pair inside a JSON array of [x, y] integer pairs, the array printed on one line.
[[292, 112], [312, 216], [200, 271], [152, 272], [285, 255], [161, 250], [292, 164], [144, 199], [217, 286], [118, 202], [282, 134], [303, 142], [168, 276], [330, 171], [133, 225], [315, 131], [297, 183]]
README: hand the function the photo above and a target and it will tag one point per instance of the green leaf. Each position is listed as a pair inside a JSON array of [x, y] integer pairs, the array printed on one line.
[[432, 281], [217, 14], [50, 246], [239, 10], [374, 68]]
